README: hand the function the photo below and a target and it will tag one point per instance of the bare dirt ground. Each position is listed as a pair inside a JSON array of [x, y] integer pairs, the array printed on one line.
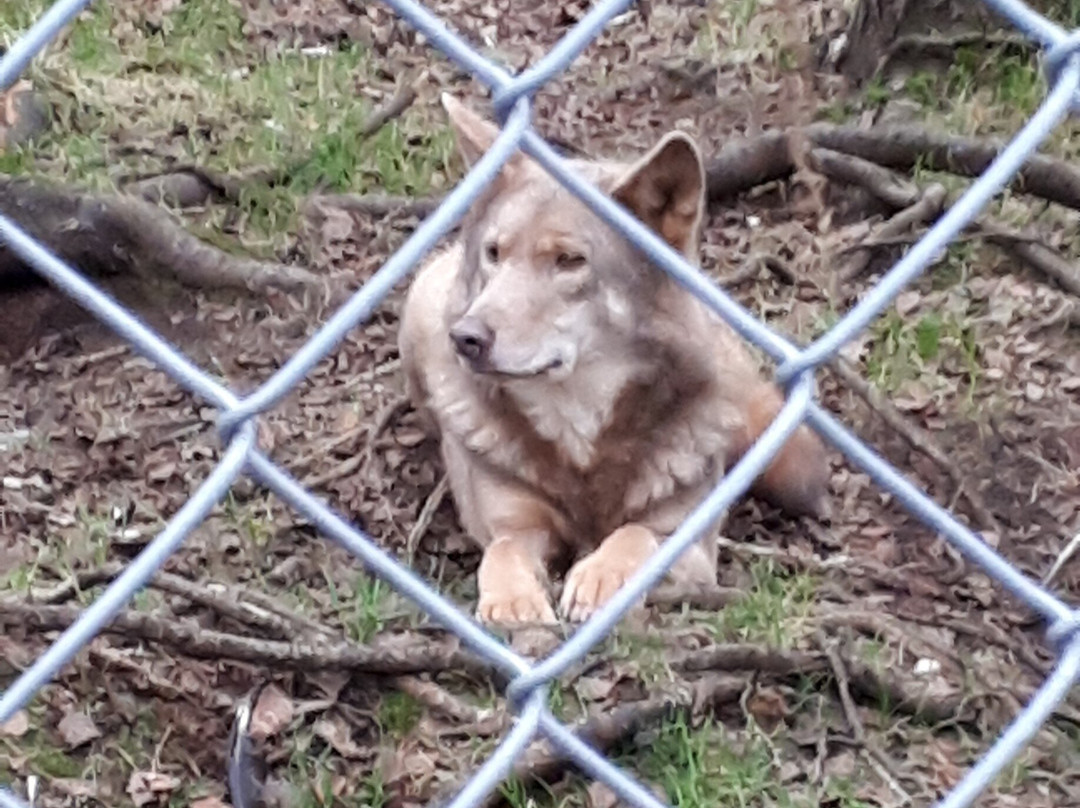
[[866, 662]]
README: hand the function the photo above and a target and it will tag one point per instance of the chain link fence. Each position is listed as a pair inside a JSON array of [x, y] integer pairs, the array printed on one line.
[[528, 682]]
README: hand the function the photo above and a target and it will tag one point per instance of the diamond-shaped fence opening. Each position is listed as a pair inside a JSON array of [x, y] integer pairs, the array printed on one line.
[[527, 689]]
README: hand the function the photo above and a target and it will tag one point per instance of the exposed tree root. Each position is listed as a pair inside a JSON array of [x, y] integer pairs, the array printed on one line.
[[744, 164], [106, 235]]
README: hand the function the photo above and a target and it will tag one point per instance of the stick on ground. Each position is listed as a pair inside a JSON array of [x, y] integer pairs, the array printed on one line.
[[926, 209], [422, 654]]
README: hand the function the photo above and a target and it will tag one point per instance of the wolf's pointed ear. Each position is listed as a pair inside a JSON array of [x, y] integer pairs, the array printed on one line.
[[666, 190], [473, 133]]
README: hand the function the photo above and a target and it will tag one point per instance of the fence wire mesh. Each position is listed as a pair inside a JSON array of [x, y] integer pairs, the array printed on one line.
[[528, 681]]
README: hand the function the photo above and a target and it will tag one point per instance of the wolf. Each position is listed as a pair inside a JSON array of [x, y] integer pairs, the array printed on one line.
[[583, 401]]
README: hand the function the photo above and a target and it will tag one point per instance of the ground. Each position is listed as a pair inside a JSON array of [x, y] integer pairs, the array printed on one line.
[[864, 662]]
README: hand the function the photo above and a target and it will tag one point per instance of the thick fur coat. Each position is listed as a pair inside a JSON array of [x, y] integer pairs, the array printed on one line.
[[585, 403]]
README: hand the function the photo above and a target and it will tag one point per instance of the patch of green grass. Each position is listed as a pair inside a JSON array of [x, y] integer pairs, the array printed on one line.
[[91, 44], [48, 762], [310, 772], [922, 87], [823, 320], [519, 795], [18, 15], [135, 741], [647, 652], [893, 354], [706, 765], [962, 76], [1015, 774], [877, 93], [839, 112], [20, 578], [1018, 84], [1065, 12], [956, 267], [252, 520], [840, 791], [197, 90], [725, 29], [17, 160], [363, 614], [398, 714], [903, 348], [204, 27], [1012, 80], [702, 767], [771, 611]]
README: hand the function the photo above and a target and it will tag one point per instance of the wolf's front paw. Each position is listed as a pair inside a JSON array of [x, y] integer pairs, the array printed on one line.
[[595, 579], [525, 604]]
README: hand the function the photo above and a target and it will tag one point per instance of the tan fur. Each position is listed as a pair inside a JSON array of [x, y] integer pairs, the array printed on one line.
[[600, 402]]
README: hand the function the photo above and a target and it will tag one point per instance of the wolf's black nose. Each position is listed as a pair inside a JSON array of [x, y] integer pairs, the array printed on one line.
[[472, 339]]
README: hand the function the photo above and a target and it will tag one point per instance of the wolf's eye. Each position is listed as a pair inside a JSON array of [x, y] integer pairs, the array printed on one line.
[[491, 252], [570, 261]]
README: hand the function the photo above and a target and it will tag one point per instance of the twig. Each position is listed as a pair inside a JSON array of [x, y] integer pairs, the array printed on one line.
[[261, 610], [75, 583], [710, 600], [744, 164], [423, 521], [851, 712], [927, 208], [944, 47], [396, 655], [908, 695], [753, 265], [1031, 251], [878, 758], [351, 464], [1063, 557], [896, 192], [226, 603], [747, 657], [444, 703], [189, 185], [1068, 312], [917, 437], [891, 188], [401, 101], [267, 602], [747, 550], [378, 205], [879, 624], [325, 449]]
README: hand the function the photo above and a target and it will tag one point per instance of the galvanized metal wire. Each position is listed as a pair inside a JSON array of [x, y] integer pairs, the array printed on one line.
[[512, 96]]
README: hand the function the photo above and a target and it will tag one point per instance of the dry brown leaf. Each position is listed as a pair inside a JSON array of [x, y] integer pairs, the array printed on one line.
[[77, 729], [210, 802], [16, 726], [72, 787], [336, 732], [273, 712], [595, 688], [600, 795], [942, 755], [768, 707], [147, 787]]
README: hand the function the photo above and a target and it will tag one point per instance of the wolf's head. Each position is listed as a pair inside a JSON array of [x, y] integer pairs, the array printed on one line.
[[547, 285]]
